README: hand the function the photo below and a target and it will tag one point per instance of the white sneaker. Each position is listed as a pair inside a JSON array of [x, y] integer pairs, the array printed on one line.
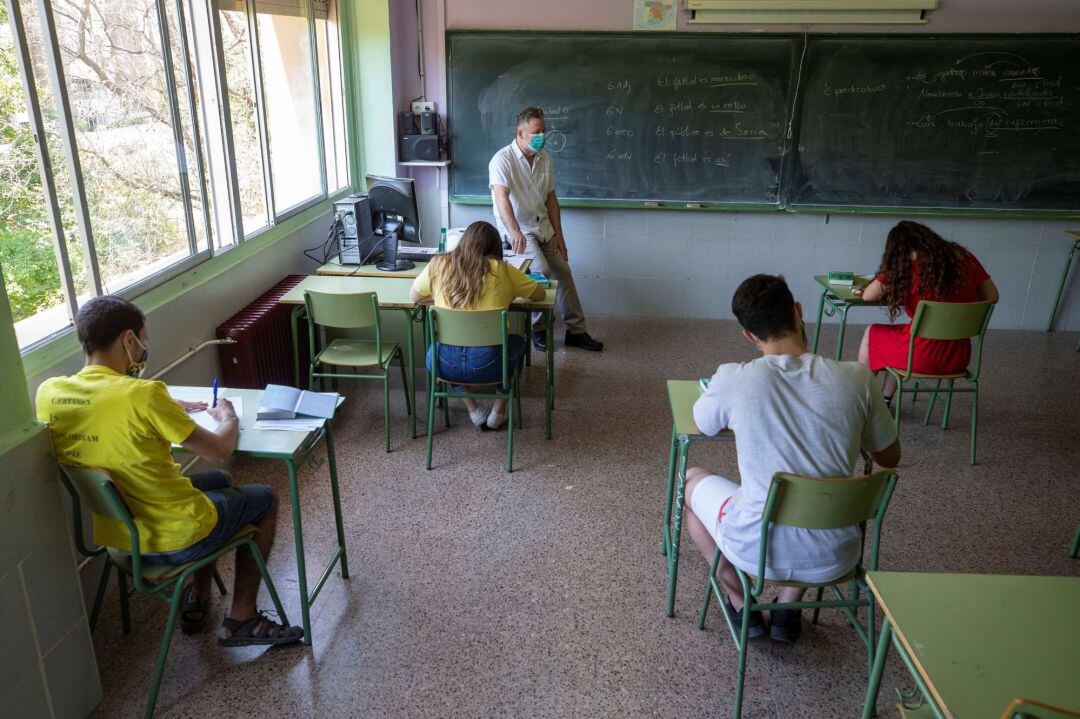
[[478, 415], [496, 420]]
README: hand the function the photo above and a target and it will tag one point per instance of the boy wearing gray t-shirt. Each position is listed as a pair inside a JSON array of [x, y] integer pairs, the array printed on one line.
[[791, 411]]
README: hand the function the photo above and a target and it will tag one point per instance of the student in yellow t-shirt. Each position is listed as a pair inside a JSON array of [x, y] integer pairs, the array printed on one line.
[[105, 417], [473, 276]]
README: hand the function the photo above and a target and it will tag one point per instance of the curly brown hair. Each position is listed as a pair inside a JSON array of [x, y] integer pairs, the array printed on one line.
[[941, 264]]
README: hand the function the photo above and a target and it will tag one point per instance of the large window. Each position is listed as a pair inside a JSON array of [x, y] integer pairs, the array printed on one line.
[[172, 132]]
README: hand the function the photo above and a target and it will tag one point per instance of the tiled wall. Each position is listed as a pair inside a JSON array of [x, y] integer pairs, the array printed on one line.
[[47, 662], [661, 263]]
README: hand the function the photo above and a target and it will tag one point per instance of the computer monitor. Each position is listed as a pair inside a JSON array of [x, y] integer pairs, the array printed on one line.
[[394, 216]]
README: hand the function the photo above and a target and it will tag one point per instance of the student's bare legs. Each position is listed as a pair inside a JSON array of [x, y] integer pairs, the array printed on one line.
[[889, 386], [246, 583], [704, 541], [705, 544], [470, 403]]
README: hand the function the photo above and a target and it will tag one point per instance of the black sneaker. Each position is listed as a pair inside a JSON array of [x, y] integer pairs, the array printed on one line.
[[785, 625], [583, 341], [540, 341], [757, 621]]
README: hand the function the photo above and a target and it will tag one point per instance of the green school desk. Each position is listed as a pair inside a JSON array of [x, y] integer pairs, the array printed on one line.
[[975, 642], [681, 395], [840, 299], [293, 448], [393, 293], [1075, 234]]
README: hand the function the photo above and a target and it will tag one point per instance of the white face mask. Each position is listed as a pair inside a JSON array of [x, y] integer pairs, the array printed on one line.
[[137, 369]]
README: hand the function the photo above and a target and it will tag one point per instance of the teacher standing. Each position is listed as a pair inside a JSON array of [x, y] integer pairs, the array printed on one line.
[[527, 212]]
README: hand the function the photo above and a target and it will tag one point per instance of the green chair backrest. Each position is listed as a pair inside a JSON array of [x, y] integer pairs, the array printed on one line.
[[95, 489], [342, 311], [812, 503], [950, 320], [469, 328]]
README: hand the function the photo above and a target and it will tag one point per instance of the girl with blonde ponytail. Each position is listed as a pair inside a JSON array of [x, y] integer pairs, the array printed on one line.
[[473, 276]]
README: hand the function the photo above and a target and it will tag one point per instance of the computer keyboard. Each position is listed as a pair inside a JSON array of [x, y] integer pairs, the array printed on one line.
[[415, 256]]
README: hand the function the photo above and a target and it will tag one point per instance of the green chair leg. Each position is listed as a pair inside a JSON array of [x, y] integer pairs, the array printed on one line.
[[445, 408], [948, 406], [430, 416], [405, 386], [510, 431], [99, 596], [817, 610], [974, 420], [386, 408], [933, 403], [220, 584], [1075, 551], [166, 639], [125, 610]]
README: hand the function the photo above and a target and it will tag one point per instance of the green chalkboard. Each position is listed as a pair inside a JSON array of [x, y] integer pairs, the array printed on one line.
[[630, 117], [951, 122]]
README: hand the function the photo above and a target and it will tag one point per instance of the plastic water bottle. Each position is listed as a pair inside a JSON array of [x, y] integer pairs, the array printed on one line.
[[442, 241]]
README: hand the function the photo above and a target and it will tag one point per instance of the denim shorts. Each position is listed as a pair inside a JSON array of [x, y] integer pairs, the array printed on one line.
[[236, 506], [478, 364]]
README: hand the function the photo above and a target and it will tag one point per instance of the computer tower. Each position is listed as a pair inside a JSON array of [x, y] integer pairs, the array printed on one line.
[[356, 241]]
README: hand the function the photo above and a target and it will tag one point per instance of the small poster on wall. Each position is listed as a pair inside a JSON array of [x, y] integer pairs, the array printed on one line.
[[655, 14]]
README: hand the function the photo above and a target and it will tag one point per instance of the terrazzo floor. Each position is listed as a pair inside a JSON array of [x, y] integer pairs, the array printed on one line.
[[477, 593]]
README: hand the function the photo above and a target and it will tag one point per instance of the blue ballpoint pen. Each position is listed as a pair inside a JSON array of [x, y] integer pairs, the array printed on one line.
[[214, 404]]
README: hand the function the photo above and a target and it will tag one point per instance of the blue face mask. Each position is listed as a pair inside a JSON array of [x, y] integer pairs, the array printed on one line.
[[536, 142]]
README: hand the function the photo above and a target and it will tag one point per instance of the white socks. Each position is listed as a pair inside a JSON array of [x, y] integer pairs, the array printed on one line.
[[494, 421], [479, 415]]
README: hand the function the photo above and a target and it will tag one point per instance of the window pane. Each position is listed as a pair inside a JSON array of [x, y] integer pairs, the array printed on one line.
[[194, 152], [27, 257], [333, 103], [112, 56], [249, 167], [288, 86]]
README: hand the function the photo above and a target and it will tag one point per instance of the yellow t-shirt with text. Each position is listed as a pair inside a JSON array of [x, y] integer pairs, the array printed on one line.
[[503, 284], [102, 419]]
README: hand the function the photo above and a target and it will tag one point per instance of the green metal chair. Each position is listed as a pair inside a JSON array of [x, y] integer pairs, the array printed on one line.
[[95, 489], [812, 504], [472, 328], [109, 565], [353, 311], [945, 321]]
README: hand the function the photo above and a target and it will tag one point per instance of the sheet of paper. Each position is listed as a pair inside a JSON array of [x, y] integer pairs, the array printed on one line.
[[206, 421], [518, 261], [289, 425], [317, 404]]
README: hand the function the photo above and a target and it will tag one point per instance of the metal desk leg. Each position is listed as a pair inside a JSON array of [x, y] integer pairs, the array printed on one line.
[[1061, 287], [669, 495], [549, 331], [872, 687], [295, 319], [843, 327], [410, 387], [336, 495], [298, 538], [817, 326], [673, 551]]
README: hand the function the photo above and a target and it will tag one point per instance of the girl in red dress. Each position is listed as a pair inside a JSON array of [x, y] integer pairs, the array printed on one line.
[[918, 264]]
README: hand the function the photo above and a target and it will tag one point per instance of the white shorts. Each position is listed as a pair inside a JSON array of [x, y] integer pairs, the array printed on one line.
[[713, 498]]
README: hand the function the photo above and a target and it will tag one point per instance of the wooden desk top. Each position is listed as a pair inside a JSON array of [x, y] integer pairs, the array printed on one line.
[[844, 291], [982, 640], [393, 292], [682, 393], [1075, 234], [334, 267]]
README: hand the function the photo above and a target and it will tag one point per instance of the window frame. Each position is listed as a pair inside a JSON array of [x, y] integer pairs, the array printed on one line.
[[176, 47]]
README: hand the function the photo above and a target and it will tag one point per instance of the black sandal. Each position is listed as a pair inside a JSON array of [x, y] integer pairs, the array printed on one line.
[[193, 614], [259, 630]]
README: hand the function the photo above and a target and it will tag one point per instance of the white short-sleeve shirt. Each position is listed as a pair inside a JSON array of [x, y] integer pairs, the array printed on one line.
[[529, 187], [806, 415]]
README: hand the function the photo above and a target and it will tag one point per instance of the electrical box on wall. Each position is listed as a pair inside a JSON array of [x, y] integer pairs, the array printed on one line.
[[423, 106]]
